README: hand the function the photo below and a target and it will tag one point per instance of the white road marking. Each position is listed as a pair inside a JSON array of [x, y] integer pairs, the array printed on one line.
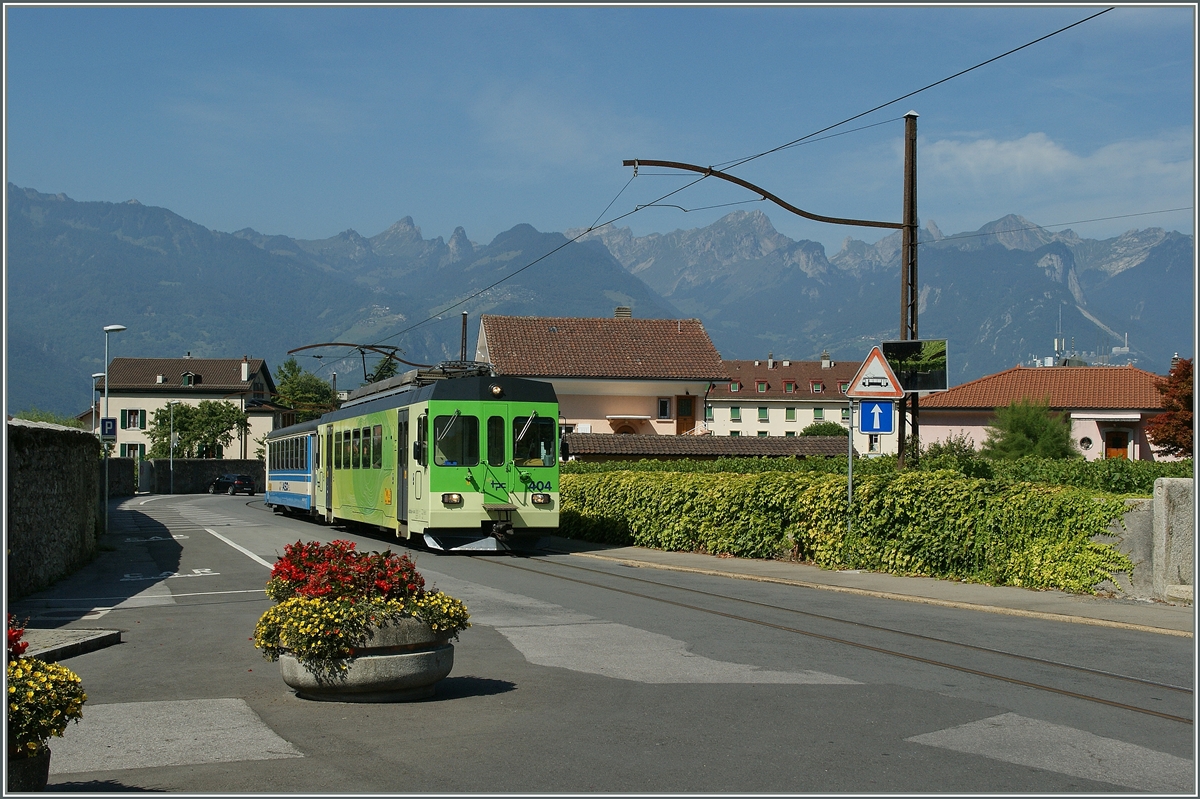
[[137, 576], [241, 549], [154, 734], [172, 537], [551, 635], [1065, 750]]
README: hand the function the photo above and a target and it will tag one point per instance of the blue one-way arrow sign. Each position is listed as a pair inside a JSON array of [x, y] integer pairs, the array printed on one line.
[[876, 416]]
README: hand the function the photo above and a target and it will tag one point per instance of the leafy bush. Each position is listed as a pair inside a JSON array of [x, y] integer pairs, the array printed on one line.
[[825, 429], [1114, 476], [1028, 427], [933, 523]]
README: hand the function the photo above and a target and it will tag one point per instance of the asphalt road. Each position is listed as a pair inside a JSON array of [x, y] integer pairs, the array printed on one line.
[[584, 676]]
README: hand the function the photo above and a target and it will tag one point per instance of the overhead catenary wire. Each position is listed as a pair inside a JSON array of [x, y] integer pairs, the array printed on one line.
[[960, 73], [727, 165]]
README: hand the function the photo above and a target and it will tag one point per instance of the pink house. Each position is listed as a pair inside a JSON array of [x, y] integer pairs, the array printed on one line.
[[1108, 406], [611, 375]]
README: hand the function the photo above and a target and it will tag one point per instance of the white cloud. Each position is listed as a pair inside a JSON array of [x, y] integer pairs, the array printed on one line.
[[964, 184]]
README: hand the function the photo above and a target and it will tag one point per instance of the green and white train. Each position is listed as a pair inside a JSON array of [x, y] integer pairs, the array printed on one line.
[[460, 456]]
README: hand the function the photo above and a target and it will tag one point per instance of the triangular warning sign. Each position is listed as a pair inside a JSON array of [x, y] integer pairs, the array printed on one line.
[[875, 379]]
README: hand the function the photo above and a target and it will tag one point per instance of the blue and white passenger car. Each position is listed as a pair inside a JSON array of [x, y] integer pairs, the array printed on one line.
[[292, 455]]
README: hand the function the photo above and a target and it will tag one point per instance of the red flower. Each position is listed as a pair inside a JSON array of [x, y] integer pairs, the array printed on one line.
[[16, 647]]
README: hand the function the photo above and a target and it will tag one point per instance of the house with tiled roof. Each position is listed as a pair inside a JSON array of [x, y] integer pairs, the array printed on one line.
[[1108, 406], [611, 375], [140, 386], [771, 398]]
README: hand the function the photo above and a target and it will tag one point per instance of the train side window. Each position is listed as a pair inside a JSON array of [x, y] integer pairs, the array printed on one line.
[[495, 440], [355, 448], [377, 447], [345, 449], [421, 445], [456, 440], [337, 450], [366, 448]]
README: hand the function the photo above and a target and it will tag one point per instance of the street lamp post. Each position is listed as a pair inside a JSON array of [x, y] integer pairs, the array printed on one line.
[[171, 404], [95, 377], [107, 329]]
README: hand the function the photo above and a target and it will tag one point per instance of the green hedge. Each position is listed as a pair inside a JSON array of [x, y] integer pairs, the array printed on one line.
[[1110, 476], [932, 523]]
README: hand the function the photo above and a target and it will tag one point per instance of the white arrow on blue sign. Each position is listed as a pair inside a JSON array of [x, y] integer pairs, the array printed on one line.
[[876, 416]]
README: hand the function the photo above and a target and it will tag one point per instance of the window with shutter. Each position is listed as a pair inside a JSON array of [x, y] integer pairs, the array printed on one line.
[[124, 426]]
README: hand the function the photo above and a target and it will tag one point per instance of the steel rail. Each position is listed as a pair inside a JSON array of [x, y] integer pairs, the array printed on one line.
[[865, 625], [856, 644]]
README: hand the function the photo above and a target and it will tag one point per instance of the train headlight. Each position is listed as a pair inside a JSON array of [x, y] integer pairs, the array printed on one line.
[[497, 391], [540, 499], [452, 499]]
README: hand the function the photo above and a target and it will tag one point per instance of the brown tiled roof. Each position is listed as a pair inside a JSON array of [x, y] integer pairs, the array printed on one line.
[[802, 373], [1068, 387], [640, 349], [215, 374], [651, 446]]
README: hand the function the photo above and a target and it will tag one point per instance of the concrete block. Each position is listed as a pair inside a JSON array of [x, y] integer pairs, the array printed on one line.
[[1174, 534]]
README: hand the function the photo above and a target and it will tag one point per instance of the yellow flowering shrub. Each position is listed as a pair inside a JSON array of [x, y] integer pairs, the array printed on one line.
[[42, 699], [323, 621]]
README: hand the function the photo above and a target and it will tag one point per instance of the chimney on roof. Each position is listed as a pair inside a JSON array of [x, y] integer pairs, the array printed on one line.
[[622, 312], [770, 360], [245, 369], [825, 362], [1174, 361], [188, 355]]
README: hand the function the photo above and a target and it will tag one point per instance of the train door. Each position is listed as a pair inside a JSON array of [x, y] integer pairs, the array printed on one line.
[[402, 457], [497, 465], [329, 472]]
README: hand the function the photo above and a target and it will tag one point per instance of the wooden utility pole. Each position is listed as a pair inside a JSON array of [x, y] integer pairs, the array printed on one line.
[[909, 296]]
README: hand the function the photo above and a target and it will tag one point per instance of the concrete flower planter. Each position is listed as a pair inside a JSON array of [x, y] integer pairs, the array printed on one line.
[[29, 774], [401, 663]]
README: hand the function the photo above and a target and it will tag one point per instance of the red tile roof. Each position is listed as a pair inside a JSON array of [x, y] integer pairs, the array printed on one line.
[[773, 372], [621, 348], [1068, 387], [651, 446], [215, 374]]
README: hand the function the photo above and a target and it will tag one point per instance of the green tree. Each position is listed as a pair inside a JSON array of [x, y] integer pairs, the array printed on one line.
[[1171, 432], [308, 394], [35, 415], [825, 429], [1026, 428], [201, 429]]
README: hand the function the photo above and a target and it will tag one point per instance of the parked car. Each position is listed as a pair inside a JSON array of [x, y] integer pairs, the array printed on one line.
[[232, 483]]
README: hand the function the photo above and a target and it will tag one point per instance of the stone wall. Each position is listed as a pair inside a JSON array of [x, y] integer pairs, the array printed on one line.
[[194, 475], [54, 518]]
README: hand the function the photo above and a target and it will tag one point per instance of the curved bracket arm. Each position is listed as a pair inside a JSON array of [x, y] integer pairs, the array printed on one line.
[[390, 352], [708, 171]]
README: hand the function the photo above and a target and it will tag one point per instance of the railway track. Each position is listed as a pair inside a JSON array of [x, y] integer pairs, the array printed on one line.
[[598, 578]]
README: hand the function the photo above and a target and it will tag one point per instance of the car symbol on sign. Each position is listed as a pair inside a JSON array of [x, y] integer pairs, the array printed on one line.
[[876, 381]]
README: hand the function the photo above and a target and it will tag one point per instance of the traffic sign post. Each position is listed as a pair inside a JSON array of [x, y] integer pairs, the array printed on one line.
[[875, 384], [108, 428]]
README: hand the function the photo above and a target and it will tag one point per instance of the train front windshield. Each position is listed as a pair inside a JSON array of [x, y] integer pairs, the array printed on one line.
[[534, 441]]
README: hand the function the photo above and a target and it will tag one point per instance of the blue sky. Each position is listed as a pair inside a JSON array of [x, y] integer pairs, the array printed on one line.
[[306, 121]]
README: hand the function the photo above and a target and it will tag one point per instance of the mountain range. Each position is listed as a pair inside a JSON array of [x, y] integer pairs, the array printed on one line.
[[998, 294]]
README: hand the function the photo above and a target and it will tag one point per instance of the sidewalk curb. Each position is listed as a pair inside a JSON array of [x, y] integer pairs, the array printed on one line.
[[1032, 614], [55, 645]]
